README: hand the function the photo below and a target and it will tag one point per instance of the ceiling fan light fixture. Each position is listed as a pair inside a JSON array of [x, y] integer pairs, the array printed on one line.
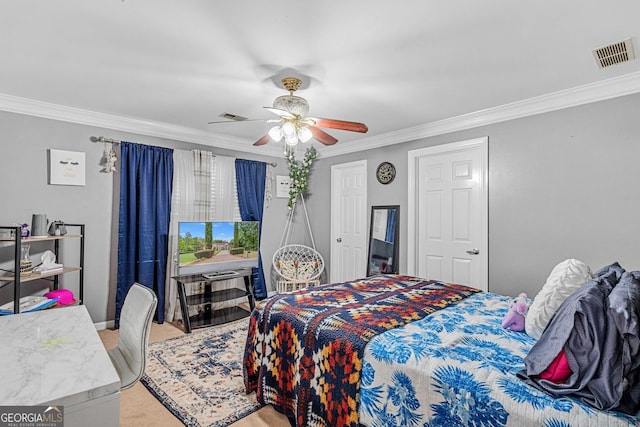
[[292, 104], [304, 134], [288, 129], [276, 133], [291, 139]]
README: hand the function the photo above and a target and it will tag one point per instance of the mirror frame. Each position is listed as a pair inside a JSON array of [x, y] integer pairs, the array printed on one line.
[[394, 269]]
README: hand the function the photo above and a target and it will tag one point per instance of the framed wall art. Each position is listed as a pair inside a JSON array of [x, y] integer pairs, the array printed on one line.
[[282, 186], [66, 167]]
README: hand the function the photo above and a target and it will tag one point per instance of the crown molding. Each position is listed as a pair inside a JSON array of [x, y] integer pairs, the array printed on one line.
[[593, 92], [46, 110]]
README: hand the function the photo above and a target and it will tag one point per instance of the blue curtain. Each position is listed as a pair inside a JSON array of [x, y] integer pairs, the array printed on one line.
[[250, 180], [391, 226], [146, 174]]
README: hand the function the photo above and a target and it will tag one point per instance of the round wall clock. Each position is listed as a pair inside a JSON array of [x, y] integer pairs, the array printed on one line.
[[385, 173]]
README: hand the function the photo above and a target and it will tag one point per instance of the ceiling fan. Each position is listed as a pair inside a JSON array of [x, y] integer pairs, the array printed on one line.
[[292, 125]]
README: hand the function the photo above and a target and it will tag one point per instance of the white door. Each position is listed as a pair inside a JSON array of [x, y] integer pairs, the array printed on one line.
[[348, 221], [448, 213]]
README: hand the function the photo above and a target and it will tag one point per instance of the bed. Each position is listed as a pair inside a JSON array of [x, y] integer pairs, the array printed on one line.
[[394, 350]]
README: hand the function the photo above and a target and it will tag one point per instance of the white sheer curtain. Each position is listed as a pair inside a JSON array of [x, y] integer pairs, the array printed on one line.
[[203, 163], [204, 189], [182, 209], [225, 194]]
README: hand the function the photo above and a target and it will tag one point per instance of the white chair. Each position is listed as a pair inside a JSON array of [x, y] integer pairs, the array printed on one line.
[[129, 356], [297, 267]]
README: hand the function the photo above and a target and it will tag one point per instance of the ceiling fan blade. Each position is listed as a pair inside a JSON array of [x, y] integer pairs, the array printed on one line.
[[238, 121], [322, 136], [340, 124], [281, 113], [262, 140]]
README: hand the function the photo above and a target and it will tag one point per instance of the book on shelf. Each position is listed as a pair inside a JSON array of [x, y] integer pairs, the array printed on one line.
[[27, 304]]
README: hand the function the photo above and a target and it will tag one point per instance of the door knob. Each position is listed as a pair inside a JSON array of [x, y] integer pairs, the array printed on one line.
[[339, 239], [474, 251]]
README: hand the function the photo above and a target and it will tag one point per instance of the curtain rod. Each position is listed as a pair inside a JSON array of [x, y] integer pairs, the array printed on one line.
[[103, 139], [115, 141]]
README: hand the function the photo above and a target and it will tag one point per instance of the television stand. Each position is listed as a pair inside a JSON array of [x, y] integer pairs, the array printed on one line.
[[208, 296]]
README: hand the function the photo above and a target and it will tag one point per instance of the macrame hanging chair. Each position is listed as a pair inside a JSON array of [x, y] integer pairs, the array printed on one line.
[[297, 266]]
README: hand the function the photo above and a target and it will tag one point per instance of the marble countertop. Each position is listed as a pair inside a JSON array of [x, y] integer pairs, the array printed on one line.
[[53, 356]]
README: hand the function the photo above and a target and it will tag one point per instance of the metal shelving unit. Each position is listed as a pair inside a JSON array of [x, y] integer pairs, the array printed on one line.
[[17, 279]]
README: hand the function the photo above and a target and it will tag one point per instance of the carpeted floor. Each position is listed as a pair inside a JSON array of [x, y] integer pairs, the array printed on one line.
[[139, 408]]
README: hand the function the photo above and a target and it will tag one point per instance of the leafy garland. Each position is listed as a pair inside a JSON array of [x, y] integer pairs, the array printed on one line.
[[299, 174]]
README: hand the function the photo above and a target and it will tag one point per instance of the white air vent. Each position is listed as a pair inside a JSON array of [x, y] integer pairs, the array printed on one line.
[[616, 53]]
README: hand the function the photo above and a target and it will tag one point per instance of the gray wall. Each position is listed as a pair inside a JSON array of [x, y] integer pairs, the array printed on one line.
[[24, 190], [562, 185]]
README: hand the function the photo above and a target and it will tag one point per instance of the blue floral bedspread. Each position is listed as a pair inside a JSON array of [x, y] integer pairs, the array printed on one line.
[[457, 367]]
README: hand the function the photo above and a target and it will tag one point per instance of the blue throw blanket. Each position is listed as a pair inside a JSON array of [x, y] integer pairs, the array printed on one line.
[[598, 329]]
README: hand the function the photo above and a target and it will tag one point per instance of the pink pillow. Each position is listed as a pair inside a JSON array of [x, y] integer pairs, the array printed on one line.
[[558, 371]]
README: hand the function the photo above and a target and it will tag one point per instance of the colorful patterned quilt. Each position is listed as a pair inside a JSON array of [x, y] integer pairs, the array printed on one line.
[[304, 350], [457, 367]]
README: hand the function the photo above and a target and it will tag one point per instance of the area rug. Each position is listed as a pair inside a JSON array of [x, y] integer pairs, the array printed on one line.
[[198, 376]]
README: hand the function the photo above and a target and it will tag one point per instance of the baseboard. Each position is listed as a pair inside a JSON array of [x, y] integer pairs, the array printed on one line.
[[109, 324]]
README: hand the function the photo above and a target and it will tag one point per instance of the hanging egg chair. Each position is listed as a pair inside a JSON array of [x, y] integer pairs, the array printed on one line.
[[297, 266]]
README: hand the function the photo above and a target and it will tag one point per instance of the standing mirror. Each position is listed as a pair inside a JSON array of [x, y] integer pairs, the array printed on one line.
[[383, 240]]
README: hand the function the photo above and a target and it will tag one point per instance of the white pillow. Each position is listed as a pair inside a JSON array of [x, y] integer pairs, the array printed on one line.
[[565, 279]]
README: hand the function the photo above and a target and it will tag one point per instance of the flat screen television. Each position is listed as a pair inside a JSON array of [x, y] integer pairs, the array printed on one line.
[[217, 246]]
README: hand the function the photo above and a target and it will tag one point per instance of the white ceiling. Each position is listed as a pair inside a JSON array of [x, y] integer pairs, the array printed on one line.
[[166, 68]]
